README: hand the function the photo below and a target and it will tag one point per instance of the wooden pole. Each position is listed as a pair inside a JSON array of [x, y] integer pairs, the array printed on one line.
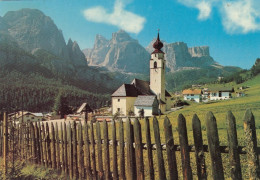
[[160, 159], [234, 160], [138, 150], [106, 151], [99, 151], [149, 149], [130, 151], [121, 150], [171, 156], [213, 141], [5, 143], [251, 145], [199, 152], [114, 146]]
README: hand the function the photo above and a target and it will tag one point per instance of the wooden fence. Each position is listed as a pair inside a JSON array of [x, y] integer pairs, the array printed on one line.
[[86, 152]]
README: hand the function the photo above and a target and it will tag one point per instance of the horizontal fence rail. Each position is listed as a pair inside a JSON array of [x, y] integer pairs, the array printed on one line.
[[124, 150]]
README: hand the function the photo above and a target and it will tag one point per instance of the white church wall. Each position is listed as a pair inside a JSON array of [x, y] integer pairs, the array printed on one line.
[[119, 104], [148, 111]]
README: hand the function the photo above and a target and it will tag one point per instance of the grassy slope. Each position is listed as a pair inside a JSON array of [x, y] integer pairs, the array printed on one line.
[[237, 105]]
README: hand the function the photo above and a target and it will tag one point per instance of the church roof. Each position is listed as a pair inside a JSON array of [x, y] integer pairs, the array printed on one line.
[[126, 90], [142, 86], [157, 45], [145, 101]]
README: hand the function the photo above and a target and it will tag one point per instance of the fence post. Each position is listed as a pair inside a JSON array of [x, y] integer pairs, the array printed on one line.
[[149, 149], [87, 152], [157, 138], [70, 152], [1, 138], [185, 155], [213, 142], [80, 155], [33, 143], [57, 146], [75, 159], [54, 164], [99, 151], [121, 150], [234, 159], [131, 173], [114, 146], [172, 165], [5, 132], [251, 145], [199, 152], [40, 142], [62, 148], [93, 155], [48, 139], [106, 151], [65, 141], [138, 150], [44, 146]]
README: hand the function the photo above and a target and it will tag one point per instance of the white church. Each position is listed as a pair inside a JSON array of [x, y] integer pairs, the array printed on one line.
[[151, 97]]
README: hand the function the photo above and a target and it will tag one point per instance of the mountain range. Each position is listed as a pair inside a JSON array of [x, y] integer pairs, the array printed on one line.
[[32, 48]]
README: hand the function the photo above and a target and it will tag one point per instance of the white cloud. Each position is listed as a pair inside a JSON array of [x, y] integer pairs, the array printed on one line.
[[238, 16], [120, 17], [241, 16], [205, 10]]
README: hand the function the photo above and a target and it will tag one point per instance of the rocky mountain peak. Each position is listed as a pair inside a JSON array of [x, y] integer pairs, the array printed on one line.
[[100, 41], [75, 54], [199, 51], [121, 36], [32, 29]]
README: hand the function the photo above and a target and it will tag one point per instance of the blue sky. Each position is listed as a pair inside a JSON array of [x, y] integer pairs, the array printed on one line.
[[230, 27]]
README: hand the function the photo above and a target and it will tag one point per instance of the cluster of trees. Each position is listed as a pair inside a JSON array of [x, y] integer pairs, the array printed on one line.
[[38, 94], [256, 67]]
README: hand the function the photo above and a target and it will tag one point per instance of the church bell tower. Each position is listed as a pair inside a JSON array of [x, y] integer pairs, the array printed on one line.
[[157, 72]]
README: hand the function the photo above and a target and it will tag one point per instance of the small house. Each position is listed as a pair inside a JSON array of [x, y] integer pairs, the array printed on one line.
[[26, 116], [149, 104], [221, 93], [192, 95]]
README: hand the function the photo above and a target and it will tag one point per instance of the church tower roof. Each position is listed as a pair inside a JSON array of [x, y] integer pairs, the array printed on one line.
[[157, 45]]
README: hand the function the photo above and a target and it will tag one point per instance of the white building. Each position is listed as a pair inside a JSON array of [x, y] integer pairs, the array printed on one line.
[[124, 98], [26, 116], [220, 93], [148, 103], [192, 95]]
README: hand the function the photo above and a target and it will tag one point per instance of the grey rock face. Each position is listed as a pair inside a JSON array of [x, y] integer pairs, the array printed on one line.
[[75, 54], [120, 53], [179, 56], [32, 29]]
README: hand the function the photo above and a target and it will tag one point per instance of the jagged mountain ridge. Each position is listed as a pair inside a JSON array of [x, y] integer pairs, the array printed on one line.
[[178, 55], [30, 33], [120, 53]]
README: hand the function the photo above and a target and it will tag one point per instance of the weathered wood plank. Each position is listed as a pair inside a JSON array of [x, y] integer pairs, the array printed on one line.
[[199, 152], [149, 149], [80, 152], [138, 150], [5, 136], [44, 146], [70, 153], [48, 140], [75, 156], [53, 147], [234, 159], [40, 143], [171, 155], [114, 147], [65, 139], [131, 171], [33, 158], [251, 145], [99, 151], [213, 141], [87, 152], [121, 150], [37, 144], [1, 138], [93, 155], [57, 146], [185, 155], [62, 148], [106, 151], [160, 159]]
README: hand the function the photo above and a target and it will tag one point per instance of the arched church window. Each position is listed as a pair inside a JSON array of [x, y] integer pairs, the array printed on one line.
[[155, 65]]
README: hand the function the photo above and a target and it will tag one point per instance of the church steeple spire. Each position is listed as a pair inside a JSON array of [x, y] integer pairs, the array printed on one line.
[[157, 45]]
